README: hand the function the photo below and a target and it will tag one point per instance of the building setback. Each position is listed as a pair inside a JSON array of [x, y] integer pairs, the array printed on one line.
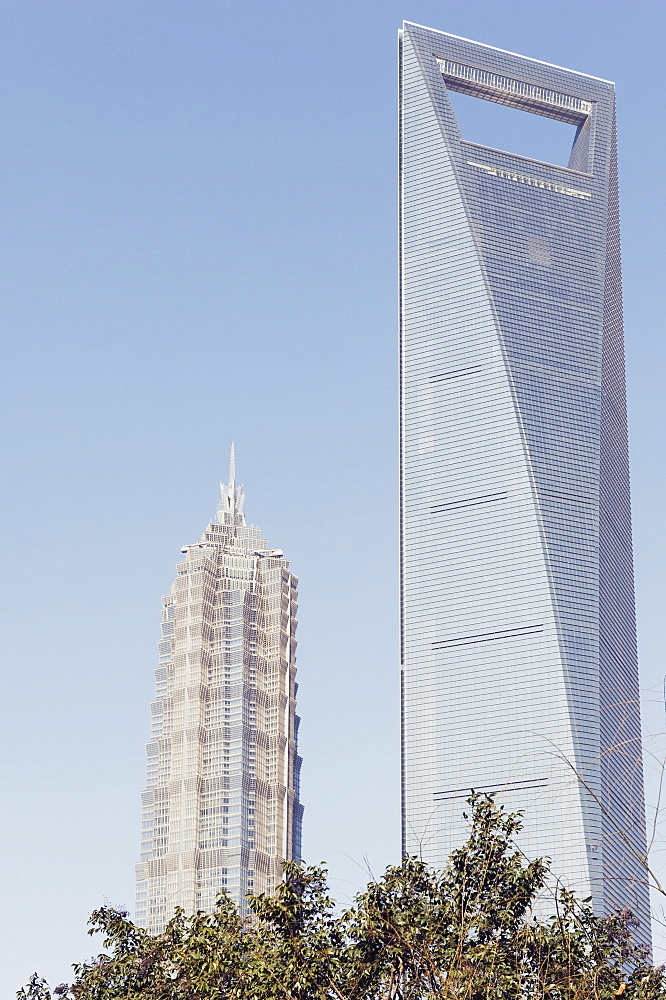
[[518, 628], [221, 807]]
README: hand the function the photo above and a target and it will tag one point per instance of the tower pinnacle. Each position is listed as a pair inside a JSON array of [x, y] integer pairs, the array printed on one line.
[[232, 467], [230, 509]]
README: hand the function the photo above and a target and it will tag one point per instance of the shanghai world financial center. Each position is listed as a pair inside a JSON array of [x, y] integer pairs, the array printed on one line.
[[518, 628], [519, 668]]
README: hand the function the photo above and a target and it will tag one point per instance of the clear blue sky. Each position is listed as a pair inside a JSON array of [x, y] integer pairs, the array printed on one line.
[[199, 244]]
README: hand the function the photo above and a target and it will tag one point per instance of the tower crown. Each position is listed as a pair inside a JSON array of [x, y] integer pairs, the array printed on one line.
[[232, 497]]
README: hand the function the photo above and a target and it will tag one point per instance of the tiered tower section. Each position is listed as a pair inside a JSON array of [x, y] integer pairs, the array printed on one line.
[[221, 807]]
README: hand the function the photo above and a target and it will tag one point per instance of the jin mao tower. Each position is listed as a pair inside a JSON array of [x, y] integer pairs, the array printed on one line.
[[221, 807], [518, 629]]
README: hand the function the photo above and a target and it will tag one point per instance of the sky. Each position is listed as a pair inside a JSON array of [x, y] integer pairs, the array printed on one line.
[[199, 245]]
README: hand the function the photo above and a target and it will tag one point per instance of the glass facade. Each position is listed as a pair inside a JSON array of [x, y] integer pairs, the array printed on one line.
[[221, 806], [518, 628]]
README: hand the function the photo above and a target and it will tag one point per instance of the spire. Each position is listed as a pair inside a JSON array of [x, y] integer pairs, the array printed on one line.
[[232, 468], [230, 510]]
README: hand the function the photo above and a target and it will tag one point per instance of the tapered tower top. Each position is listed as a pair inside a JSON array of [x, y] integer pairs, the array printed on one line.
[[230, 509]]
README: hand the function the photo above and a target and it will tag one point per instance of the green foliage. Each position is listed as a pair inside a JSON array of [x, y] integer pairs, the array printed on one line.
[[466, 933]]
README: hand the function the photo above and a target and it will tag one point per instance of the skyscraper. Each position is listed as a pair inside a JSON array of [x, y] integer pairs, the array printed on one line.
[[518, 626], [221, 807]]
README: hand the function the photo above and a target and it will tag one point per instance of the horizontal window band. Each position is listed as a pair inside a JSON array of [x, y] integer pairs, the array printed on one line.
[[509, 633], [445, 376], [562, 374], [505, 90], [470, 502], [509, 786], [569, 497], [530, 181]]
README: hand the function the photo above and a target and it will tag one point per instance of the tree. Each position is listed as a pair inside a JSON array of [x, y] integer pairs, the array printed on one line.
[[465, 933]]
